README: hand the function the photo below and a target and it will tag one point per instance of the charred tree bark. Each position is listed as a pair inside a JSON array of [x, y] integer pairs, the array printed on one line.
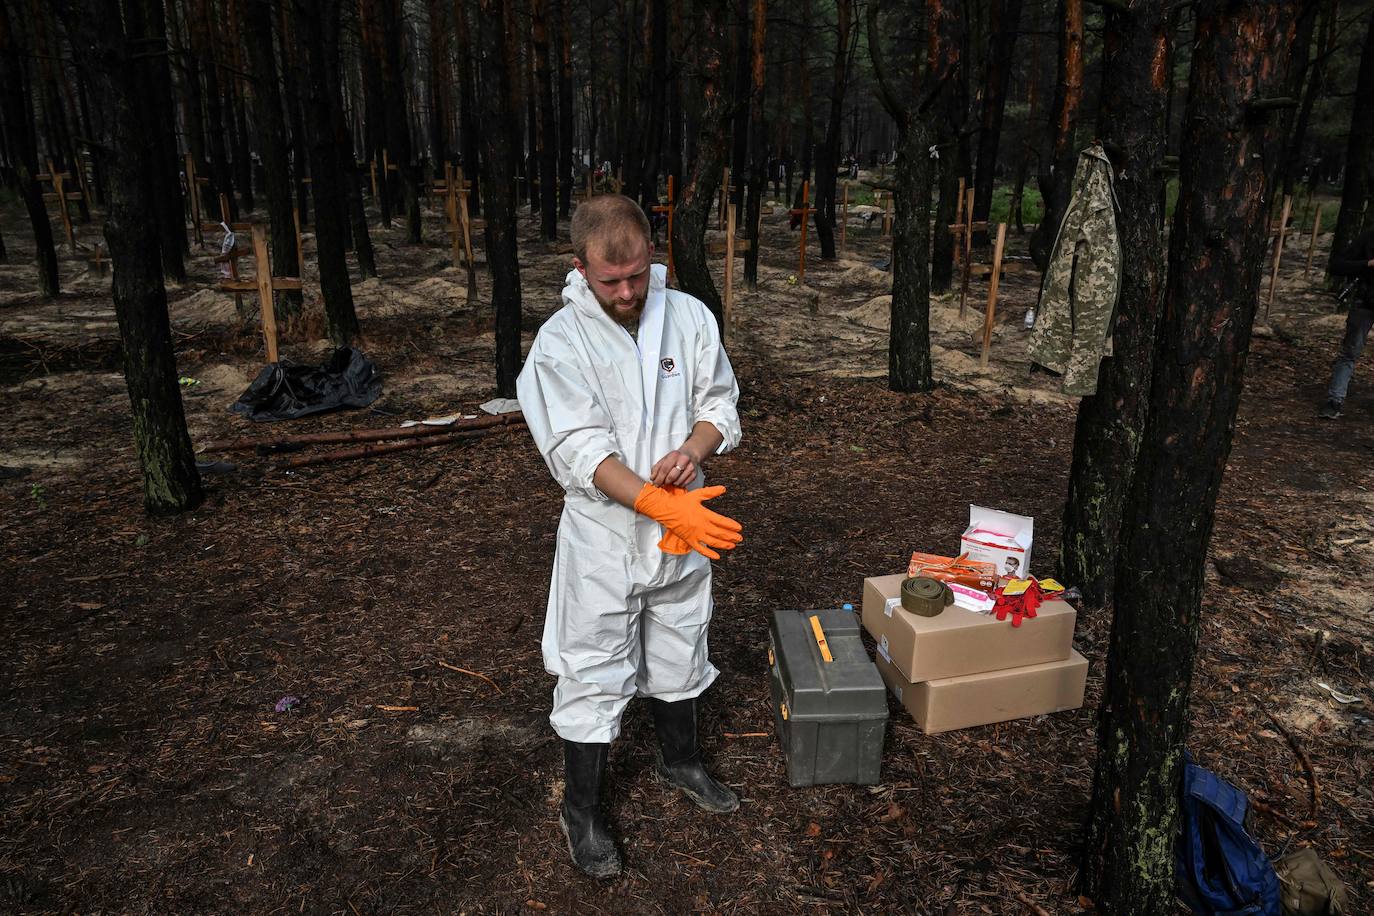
[[1216, 258], [276, 173], [439, 82], [656, 29], [167, 198], [950, 130], [565, 108], [758, 153], [238, 128], [221, 173], [23, 151], [909, 363], [375, 106], [1354, 217], [1006, 16], [699, 191], [1136, 61], [293, 81], [499, 151], [397, 122], [547, 145], [319, 27], [467, 104], [109, 55], [829, 159], [1056, 183]]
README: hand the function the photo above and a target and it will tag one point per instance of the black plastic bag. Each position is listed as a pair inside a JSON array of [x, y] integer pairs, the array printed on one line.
[[283, 391]]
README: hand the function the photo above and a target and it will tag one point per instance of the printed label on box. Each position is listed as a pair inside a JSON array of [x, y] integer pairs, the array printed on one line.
[[891, 605]]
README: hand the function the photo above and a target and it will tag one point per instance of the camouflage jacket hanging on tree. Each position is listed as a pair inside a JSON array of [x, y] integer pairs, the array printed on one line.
[[1073, 321]]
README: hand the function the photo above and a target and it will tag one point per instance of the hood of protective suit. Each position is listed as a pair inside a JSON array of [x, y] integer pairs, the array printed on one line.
[[578, 295]]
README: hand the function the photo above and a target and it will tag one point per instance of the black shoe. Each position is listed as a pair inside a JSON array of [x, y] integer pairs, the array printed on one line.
[[589, 839], [1330, 410], [679, 761]]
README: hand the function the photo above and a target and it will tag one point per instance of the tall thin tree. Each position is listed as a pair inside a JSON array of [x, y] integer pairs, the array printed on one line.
[[22, 150], [1136, 59], [1216, 257], [106, 42], [495, 18]]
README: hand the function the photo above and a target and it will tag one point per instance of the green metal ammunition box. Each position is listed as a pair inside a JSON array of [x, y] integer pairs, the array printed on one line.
[[830, 715]]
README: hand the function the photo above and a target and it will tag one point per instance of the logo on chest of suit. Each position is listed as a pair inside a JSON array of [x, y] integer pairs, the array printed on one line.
[[668, 368]]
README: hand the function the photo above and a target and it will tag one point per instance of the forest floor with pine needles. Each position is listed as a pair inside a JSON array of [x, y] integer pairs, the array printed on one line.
[[143, 767]]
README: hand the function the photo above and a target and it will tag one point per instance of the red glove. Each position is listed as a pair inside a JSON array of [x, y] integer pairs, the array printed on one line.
[[1019, 607]]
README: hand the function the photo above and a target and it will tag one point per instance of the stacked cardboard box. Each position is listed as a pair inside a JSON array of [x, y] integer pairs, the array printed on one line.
[[962, 668]]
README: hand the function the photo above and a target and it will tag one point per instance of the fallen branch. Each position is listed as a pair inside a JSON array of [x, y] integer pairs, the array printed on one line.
[[1314, 788], [444, 664], [362, 435], [385, 448]]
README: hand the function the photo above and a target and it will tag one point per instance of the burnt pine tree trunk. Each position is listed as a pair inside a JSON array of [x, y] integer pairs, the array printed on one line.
[[1354, 217], [23, 151], [374, 104], [908, 362], [110, 58], [397, 122], [695, 208], [319, 29], [547, 146], [758, 153], [351, 176], [498, 160], [1006, 16], [1136, 61], [222, 174], [439, 82], [565, 108], [167, 198], [952, 164], [272, 146], [1056, 183], [830, 148], [467, 104], [293, 88], [1216, 257]]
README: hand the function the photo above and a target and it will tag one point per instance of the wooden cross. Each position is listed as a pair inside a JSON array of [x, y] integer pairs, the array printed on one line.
[[265, 284], [965, 236], [193, 199], [729, 247], [591, 181], [992, 294], [456, 190], [372, 172], [1278, 252], [887, 215], [724, 198], [1312, 242], [61, 195], [804, 211], [668, 208], [844, 219]]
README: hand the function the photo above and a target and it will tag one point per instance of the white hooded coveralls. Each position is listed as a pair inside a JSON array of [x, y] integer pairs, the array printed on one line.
[[624, 618]]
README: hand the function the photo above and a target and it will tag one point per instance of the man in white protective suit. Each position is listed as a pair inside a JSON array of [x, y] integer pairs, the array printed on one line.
[[626, 391]]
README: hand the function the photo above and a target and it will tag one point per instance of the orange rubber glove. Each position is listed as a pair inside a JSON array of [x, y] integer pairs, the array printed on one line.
[[687, 523]]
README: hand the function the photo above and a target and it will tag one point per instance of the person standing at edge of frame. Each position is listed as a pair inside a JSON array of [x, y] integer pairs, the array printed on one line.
[[626, 391], [1356, 262]]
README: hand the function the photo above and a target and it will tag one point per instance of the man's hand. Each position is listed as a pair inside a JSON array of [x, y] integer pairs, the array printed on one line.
[[682, 515], [678, 468]]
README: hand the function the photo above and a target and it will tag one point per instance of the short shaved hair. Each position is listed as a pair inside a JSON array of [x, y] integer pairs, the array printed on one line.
[[612, 224]]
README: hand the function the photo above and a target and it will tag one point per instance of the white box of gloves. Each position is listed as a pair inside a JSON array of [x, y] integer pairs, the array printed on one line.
[[999, 538]]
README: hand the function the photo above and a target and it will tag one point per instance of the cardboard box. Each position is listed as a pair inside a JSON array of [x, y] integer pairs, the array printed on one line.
[[959, 641], [999, 538], [996, 696]]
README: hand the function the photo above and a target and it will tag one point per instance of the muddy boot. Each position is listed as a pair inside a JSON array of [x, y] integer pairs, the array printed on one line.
[[680, 760], [589, 839]]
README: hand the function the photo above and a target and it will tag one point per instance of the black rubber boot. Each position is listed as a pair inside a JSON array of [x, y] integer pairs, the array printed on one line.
[[589, 839], [680, 760]]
